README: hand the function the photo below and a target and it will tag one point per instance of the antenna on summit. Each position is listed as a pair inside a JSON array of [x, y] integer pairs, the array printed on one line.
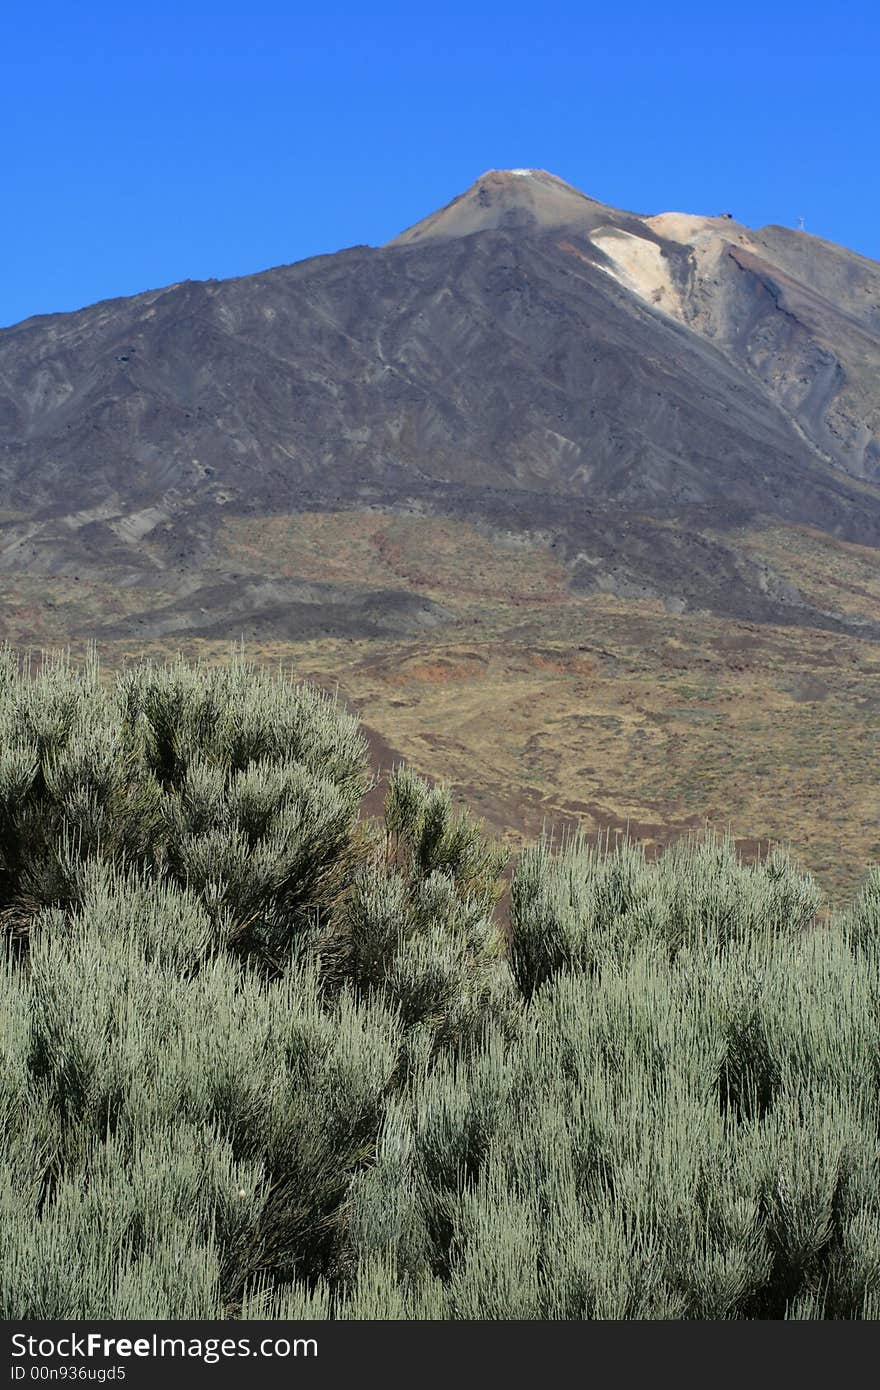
[[800, 224]]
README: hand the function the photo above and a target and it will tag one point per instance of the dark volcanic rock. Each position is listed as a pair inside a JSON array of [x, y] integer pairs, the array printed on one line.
[[283, 608], [526, 355]]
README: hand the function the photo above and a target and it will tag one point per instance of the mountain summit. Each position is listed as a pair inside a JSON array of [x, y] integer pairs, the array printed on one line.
[[523, 199], [630, 390]]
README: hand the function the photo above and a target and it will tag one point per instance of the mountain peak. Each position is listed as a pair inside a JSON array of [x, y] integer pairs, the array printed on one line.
[[532, 199]]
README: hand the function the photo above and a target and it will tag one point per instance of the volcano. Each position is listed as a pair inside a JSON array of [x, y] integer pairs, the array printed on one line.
[[628, 390]]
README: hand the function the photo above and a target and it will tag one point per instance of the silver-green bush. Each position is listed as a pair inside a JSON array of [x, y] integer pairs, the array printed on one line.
[[262, 1059]]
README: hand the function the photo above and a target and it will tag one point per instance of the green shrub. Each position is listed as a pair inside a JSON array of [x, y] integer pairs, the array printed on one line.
[[260, 1059], [418, 925]]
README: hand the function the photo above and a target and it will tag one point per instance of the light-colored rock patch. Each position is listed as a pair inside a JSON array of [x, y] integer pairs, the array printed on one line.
[[640, 266]]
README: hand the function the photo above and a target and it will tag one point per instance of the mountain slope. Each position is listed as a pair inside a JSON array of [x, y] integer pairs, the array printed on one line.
[[628, 390]]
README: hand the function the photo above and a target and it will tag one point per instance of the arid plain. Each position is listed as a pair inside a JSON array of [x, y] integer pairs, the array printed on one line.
[[543, 709]]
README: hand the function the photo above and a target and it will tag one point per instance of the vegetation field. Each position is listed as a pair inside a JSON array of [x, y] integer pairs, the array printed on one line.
[[540, 707], [264, 1056]]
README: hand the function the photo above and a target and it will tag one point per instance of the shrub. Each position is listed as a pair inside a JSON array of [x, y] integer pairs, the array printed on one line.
[[261, 1060]]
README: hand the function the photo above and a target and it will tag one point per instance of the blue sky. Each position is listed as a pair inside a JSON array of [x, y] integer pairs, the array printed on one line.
[[144, 143]]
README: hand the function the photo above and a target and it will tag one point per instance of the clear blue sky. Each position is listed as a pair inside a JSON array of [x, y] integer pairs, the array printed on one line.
[[145, 142]]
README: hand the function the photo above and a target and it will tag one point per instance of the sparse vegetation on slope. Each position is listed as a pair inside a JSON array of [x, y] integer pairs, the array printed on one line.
[[651, 722], [262, 1057]]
